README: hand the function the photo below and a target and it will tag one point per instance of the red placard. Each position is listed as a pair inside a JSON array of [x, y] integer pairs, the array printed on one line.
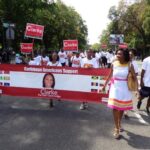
[[70, 45], [103, 46], [124, 46], [34, 31], [26, 47]]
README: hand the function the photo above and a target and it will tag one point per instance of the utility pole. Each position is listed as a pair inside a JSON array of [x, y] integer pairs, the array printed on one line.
[[3, 36]]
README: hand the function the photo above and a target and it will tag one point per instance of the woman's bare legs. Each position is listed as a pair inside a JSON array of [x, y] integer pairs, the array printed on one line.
[[116, 116]]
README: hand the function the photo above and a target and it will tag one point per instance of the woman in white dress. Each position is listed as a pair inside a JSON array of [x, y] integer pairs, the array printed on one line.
[[135, 65], [120, 98]]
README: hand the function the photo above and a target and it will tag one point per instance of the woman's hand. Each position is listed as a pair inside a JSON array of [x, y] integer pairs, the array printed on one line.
[[102, 90], [137, 94]]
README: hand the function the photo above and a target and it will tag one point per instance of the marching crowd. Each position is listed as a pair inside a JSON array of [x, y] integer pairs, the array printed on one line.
[[71, 59], [88, 59], [120, 63]]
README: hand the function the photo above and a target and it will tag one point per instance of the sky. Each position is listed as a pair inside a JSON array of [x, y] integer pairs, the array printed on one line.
[[95, 13]]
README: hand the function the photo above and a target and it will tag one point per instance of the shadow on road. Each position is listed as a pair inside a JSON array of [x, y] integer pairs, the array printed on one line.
[[64, 127], [137, 141]]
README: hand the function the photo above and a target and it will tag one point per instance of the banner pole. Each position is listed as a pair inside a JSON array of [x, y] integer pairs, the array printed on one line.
[[33, 48]]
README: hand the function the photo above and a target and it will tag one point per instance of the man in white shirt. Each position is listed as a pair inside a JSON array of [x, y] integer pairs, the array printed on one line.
[[89, 61], [82, 55], [37, 59], [110, 58], [33, 61], [44, 59], [76, 60], [145, 83], [62, 57], [104, 59]]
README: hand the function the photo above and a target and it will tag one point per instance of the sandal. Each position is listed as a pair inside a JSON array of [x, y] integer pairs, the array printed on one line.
[[121, 129], [116, 133]]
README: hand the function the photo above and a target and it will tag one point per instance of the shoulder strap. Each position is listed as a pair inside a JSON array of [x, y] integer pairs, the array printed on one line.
[[129, 65]]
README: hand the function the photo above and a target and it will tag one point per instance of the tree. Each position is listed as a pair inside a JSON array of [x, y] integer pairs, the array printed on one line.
[[95, 46], [60, 21], [133, 22]]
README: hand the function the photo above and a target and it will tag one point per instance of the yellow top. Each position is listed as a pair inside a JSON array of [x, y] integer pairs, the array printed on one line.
[[117, 63]]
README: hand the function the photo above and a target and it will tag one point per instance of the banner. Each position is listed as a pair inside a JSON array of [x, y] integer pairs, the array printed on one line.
[[116, 39], [70, 45], [34, 31], [26, 47], [124, 46], [53, 82]]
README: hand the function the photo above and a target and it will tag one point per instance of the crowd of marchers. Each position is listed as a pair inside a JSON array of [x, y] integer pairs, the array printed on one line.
[[120, 63]]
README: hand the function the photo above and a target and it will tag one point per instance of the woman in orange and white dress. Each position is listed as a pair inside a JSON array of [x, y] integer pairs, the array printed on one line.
[[120, 98]]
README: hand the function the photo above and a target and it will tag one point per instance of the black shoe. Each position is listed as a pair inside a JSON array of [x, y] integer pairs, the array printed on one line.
[[139, 104], [147, 109], [51, 104]]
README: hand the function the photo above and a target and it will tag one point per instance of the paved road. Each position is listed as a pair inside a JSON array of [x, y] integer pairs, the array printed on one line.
[[28, 124]]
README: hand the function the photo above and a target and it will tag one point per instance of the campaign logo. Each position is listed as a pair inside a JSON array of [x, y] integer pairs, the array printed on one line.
[[49, 93]]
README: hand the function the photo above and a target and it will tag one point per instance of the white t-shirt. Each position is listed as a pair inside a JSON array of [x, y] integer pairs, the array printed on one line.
[[82, 55], [96, 62], [135, 65], [55, 64], [86, 63], [76, 62], [18, 60], [146, 67], [62, 57], [37, 59], [110, 58], [33, 62], [97, 55], [100, 54], [44, 60]]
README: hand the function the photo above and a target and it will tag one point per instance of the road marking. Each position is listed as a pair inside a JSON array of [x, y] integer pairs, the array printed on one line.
[[141, 120], [144, 113]]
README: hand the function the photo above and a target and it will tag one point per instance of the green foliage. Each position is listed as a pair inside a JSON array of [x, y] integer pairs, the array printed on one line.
[[133, 21], [95, 46], [146, 25], [60, 21]]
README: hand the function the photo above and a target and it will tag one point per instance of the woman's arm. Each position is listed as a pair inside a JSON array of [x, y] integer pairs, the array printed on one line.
[[108, 78], [142, 75]]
